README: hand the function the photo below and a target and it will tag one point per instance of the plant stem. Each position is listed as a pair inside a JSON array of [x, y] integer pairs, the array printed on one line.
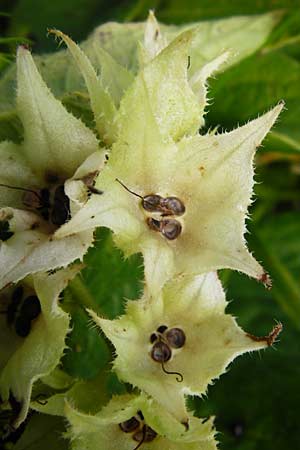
[[82, 295]]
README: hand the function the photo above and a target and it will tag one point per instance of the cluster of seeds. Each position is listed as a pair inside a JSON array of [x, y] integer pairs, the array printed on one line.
[[168, 206], [141, 432], [21, 311], [51, 203], [164, 340]]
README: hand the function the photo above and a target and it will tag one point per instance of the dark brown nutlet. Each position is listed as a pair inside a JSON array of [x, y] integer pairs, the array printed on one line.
[[176, 337], [161, 352], [147, 434], [154, 224], [22, 326], [172, 206], [162, 328], [170, 228], [153, 338], [129, 425], [60, 213], [31, 307], [152, 202]]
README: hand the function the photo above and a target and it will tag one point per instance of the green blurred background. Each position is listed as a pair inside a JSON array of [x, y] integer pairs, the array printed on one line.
[[257, 403]]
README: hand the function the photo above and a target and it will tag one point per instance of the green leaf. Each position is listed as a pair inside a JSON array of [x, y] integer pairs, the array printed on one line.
[[43, 432], [104, 285], [77, 17], [286, 36], [13, 40], [251, 88], [281, 261], [78, 103], [242, 35], [86, 395], [87, 352], [258, 420], [273, 377], [109, 277], [175, 11]]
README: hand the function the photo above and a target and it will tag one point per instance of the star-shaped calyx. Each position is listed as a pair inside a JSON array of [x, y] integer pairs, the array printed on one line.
[[34, 199], [33, 330], [178, 197], [178, 342], [130, 422]]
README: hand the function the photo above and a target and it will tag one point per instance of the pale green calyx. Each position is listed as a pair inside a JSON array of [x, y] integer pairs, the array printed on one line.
[[33, 196], [178, 342], [33, 331], [158, 151], [129, 422], [154, 40]]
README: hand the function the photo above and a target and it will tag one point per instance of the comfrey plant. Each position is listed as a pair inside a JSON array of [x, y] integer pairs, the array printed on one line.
[[176, 195]]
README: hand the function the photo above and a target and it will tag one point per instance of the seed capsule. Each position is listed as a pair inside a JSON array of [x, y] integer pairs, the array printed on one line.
[[129, 425], [161, 352], [175, 337], [170, 228]]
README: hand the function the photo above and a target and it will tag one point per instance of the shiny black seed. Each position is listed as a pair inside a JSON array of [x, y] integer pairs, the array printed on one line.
[[140, 414], [129, 425], [153, 338], [171, 228], [61, 207], [162, 328], [31, 307], [22, 326], [175, 337], [161, 352], [173, 205], [17, 294], [151, 202], [5, 234]]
